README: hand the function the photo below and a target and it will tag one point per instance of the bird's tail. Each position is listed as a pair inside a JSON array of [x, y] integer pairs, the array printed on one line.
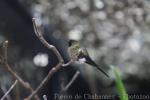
[[102, 71], [91, 62]]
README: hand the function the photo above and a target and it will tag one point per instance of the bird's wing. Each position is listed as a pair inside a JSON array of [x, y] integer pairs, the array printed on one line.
[[84, 54], [91, 62]]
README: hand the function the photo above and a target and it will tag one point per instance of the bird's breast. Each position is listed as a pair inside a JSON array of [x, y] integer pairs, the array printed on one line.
[[73, 53]]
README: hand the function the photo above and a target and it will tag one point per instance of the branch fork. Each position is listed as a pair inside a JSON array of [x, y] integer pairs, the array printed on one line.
[[4, 61], [56, 52]]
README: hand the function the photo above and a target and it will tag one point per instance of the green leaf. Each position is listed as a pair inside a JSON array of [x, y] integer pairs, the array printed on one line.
[[119, 84]]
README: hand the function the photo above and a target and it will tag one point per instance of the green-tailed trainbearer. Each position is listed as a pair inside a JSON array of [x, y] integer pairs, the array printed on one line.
[[78, 53]]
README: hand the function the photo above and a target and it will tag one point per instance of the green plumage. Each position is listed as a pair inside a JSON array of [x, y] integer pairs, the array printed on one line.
[[76, 53]]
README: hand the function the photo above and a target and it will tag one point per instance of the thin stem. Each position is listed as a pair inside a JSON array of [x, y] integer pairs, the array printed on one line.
[[23, 83], [5, 47], [45, 43], [71, 81], [8, 67], [9, 90], [50, 74], [54, 69], [68, 63]]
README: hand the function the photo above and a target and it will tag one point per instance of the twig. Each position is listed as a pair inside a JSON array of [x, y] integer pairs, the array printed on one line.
[[50, 74], [9, 90], [68, 63], [23, 83], [56, 52], [71, 81], [5, 47], [7, 66], [45, 43], [44, 97], [4, 91]]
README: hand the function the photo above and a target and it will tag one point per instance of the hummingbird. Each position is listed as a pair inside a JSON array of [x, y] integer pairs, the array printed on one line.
[[78, 53]]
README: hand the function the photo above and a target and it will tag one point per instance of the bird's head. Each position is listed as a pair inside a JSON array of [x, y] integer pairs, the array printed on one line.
[[72, 42]]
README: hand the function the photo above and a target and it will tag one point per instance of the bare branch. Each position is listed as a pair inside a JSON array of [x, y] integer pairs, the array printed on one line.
[[56, 52], [4, 91], [3, 56], [5, 46], [23, 83], [45, 43], [50, 74], [71, 81], [7, 66], [68, 63], [9, 90]]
